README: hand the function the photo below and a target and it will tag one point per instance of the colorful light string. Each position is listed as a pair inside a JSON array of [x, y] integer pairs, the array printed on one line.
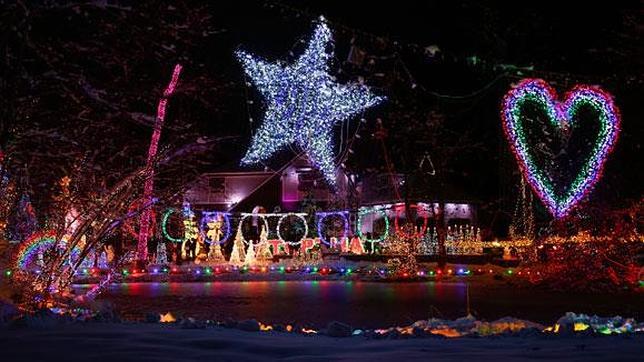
[[560, 115], [40, 243]]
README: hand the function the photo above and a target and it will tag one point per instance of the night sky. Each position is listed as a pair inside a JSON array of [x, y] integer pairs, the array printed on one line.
[[457, 58]]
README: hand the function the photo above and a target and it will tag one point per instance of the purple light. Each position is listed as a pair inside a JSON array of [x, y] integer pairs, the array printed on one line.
[[561, 115], [323, 215]]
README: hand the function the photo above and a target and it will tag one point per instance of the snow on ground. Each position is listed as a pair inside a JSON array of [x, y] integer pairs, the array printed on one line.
[[163, 342]]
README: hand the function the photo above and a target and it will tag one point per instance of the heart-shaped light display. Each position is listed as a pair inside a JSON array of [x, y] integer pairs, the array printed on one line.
[[561, 115]]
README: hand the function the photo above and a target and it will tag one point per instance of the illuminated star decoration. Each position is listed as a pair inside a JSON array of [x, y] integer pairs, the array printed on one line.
[[303, 104], [561, 115]]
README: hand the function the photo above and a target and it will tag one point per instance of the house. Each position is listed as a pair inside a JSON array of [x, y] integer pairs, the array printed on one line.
[[296, 183]]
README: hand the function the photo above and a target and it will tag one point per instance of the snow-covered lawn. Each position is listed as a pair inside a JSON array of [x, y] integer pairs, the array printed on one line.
[[101, 342]]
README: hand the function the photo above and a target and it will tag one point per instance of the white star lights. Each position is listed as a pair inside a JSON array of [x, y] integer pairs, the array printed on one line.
[[303, 104]]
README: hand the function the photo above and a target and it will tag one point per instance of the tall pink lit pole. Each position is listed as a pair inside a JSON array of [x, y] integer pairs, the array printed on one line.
[[148, 189]]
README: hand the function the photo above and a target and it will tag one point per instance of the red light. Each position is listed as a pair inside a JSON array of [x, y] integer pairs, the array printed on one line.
[[216, 270]]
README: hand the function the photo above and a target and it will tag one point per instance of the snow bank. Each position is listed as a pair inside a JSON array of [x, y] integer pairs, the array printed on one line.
[[171, 342]]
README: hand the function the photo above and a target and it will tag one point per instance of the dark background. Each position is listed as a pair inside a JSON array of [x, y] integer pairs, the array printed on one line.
[[80, 81]]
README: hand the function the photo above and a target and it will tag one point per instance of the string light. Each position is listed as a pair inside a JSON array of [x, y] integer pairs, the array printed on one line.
[[245, 216], [416, 233], [368, 210], [148, 188], [561, 115], [323, 215], [301, 217], [303, 103], [38, 245], [164, 226], [214, 216]]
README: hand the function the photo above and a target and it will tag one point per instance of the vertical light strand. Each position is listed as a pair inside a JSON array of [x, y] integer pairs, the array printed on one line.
[[148, 189]]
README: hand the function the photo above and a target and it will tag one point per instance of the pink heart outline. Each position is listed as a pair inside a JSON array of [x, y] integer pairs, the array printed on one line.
[[561, 115]]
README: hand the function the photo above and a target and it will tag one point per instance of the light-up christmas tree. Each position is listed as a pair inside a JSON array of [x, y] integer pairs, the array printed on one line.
[[250, 259], [237, 255], [264, 255]]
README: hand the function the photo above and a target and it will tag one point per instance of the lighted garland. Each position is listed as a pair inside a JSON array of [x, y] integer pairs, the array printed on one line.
[[303, 103], [279, 224], [560, 115], [245, 216], [164, 226], [207, 216], [323, 215], [369, 210]]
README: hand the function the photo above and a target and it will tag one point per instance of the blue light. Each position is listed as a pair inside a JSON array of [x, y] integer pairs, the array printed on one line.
[[303, 103]]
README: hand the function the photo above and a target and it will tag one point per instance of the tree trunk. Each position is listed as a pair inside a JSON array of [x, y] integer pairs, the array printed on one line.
[[439, 216]]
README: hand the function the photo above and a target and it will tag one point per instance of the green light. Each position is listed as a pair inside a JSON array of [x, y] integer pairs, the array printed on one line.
[[315, 269], [348, 271], [366, 210], [282, 269], [8, 273], [124, 271], [509, 271]]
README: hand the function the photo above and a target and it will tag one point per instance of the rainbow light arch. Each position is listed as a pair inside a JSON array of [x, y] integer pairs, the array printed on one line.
[[35, 243]]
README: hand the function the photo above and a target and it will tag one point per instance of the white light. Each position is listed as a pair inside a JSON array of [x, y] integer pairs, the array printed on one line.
[[303, 104]]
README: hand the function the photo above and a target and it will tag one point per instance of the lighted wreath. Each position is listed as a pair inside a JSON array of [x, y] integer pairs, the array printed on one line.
[[323, 215], [281, 220], [164, 226], [369, 210], [209, 216], [261, 216]]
